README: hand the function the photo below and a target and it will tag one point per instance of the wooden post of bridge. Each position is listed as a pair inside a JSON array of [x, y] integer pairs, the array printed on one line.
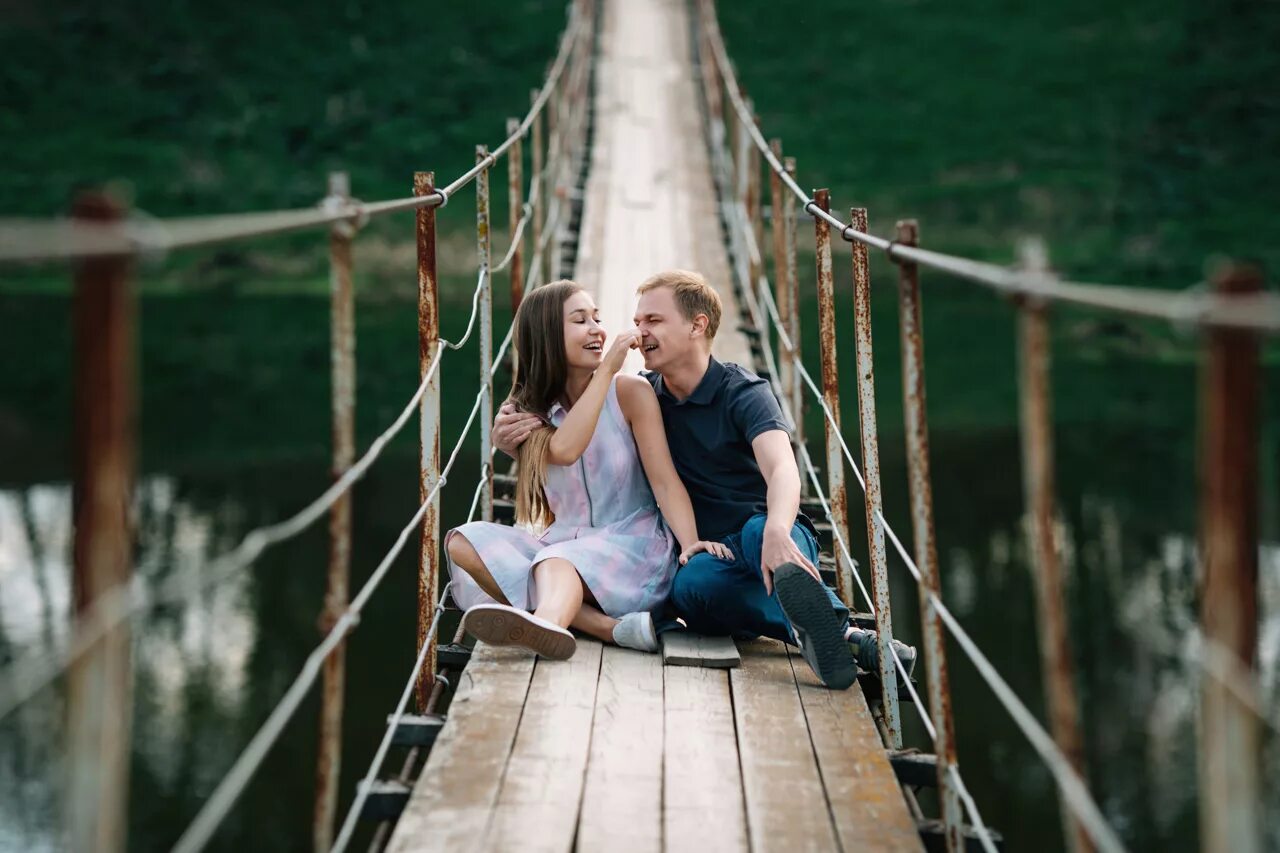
[[538, 191], [1057, 669], [99, 691], [342, 346], [484, 256], [429, 445], [871, 473], [1230, 804], [836, 490], [515, 210]]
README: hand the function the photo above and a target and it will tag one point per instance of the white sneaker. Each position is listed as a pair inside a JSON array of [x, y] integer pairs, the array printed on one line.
[[635, 631], [500, 625]]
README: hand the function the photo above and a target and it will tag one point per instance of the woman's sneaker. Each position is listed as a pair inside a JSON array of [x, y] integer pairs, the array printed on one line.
[[500, 625], [636, 631], [818, 630], [866, 651]]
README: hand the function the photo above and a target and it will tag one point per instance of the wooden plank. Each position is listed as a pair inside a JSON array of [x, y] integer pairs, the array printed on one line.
[[454, 796], [867, 805], [703, 810], [786, 805], [537, 808], [622, 802], [685, 648]]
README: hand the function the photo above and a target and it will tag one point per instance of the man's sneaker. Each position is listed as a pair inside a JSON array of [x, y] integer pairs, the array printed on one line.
[[635, 631], [818, 630], [866, 651]]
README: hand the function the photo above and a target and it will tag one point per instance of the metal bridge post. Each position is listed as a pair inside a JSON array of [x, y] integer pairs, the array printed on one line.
[[871, 472], [99, 689], [484, 255], [429, 445], [831, 397], [343, 373], [778, 202], [796, 389], [755, 222], [515, 201], [1057, 670], [538, 180], [1230, 741]]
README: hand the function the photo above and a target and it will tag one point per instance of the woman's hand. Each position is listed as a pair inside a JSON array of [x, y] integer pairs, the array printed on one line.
[[617, 354], [719, 549]]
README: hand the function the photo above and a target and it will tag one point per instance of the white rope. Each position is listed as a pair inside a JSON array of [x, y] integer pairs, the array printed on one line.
[[366, 784], [25, 677], [234, 782]]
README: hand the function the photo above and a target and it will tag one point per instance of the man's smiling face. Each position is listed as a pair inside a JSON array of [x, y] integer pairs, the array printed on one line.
[[666, 336]]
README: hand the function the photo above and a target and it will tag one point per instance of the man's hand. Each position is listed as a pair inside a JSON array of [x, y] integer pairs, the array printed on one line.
[[779, 548], [511, 427]]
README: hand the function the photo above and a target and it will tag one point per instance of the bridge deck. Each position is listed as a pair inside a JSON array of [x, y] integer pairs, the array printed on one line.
[[611, 749]]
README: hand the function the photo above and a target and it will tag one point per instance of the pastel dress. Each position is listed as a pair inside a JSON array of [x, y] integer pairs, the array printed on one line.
[[607, 525]]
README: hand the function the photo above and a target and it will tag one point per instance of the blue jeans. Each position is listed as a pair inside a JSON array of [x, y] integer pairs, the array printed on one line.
[[718, 597]]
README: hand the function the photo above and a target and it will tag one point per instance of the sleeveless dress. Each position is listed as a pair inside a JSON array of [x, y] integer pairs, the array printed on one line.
[[607, 525]]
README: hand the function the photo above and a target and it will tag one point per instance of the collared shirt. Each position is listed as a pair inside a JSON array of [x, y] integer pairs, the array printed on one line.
[[710, 434]]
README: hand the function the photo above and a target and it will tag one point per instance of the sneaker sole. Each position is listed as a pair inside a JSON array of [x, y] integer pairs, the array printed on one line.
[[806, 604], [514, 628]]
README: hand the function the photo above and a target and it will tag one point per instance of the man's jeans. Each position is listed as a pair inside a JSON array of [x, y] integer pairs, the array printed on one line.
[[718, 597]]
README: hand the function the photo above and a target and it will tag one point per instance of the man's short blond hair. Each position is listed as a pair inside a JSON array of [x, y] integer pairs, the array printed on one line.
[[692, 294]]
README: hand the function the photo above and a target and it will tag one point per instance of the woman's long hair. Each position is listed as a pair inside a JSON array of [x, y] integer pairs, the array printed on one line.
[[542, 369]]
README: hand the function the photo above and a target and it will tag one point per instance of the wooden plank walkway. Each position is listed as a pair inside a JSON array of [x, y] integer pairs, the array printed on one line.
[[612, 750]]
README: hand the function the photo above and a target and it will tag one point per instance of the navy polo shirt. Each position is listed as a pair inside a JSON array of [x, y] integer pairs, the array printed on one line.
[[710, 434]]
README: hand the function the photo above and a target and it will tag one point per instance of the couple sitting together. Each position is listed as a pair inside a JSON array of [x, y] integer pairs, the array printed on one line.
[[672, 493]]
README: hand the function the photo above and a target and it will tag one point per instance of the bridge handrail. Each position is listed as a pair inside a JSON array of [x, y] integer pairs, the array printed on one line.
[[63, 239], [1257, 312]]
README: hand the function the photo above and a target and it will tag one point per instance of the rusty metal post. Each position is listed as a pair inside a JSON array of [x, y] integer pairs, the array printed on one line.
[[796, 390], [781, 284], [920, 487], [484, 255], [1056, 667], [99, 691], [1230, 740], [871, 474], [831, 398], [538, 179], [515, 210], [755, 221], [343, 373], [429, 445]]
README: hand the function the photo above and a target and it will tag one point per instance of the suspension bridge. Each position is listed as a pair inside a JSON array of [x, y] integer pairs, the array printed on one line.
[[645, 154]]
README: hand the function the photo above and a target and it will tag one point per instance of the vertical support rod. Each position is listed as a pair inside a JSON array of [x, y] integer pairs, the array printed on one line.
[[1230, 741], [796, 389], [755, 222], [343, 378], [515, 210], [429, 444], [920, 487], [100, 694], [831, 397], [871, 473], [539, 179], [484, 255], [1056, 667], [778, 202]]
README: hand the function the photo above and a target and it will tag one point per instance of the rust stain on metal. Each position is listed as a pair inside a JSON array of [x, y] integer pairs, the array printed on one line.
[[1230, 742], [484, 256], [778, 201], [837, 494], [1057, 670], [515, 201], [871, 472], [922, 529], [536, 160], [342, 362], [429, 445], [798, 398], [99, 692]]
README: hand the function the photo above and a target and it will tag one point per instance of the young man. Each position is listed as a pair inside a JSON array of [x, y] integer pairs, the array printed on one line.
[[732, 449]]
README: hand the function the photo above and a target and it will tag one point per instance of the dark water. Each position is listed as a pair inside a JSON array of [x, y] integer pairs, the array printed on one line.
[[208, 672]]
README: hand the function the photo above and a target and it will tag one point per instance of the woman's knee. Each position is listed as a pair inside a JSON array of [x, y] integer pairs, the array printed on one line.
[[460, 549]]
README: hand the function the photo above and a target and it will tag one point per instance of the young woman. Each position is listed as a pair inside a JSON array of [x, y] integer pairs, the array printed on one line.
[[590, 550]]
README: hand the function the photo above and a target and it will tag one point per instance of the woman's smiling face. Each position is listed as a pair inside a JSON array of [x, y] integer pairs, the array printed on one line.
[[583, 335]]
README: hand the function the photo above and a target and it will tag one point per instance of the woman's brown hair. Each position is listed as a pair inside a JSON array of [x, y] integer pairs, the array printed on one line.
[[542, 369]]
